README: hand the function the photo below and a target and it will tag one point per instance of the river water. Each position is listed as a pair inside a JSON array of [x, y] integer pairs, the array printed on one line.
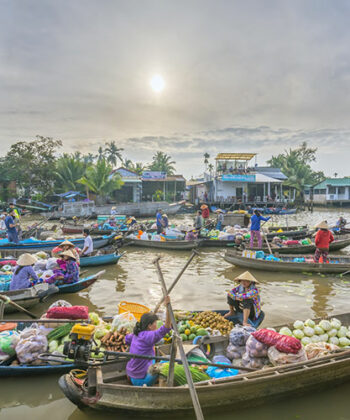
[[285, 297]]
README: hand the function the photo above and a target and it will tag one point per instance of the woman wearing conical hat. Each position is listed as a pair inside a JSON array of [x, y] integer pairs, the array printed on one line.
[[244, 300], [66, 246], [69, 270], [24, 272], [323, 239]]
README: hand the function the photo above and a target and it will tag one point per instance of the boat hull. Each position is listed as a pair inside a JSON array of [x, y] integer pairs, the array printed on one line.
[[28, 370], [97, 260], [173, 245]]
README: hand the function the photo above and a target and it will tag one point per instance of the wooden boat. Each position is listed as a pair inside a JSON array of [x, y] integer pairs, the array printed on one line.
[[79, 285], [170, 244], [8, 370], [107, 387], [305, 249], [103, 259], [286, 264], [286, 228], [77, 229], [35, 246]]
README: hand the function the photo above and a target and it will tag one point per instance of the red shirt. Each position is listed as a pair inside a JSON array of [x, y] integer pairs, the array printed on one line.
[[323, 238], [205, 213]]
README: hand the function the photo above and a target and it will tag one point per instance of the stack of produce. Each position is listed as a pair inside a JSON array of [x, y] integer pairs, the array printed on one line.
[[58, 336], [332, 332], [180, 376], [238, 338], [115, 341], [189, 330], [214, 321], [255, 355]]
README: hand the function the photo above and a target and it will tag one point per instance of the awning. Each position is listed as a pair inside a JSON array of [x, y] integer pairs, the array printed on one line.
[[259, 178]]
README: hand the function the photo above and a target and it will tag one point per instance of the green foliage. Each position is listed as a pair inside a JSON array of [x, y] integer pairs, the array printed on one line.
[[295, 164], [69, 169], [99, 180], [158, 195], [163, 163], [112, 153], [136, 167], [31, 164]]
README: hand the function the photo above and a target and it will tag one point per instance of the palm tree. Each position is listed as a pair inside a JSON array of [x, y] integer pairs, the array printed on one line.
[[89, 158], [112, 153], [211, 168], [136, 167], [162, 162], [206, 159], [335, 174], [101, 153], [69, 169], [100, 180]]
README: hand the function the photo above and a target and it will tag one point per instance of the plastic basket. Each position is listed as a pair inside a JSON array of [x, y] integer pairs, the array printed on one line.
[[135, 308]]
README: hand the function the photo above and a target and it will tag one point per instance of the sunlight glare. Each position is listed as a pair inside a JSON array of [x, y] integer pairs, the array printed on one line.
[[157, 83]]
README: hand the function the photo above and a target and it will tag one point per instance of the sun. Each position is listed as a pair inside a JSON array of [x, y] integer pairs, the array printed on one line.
[[157, 83]]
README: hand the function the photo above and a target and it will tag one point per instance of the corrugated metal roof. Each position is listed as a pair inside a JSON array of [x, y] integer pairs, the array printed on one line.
[[271, 172], [334, 182], [235, 156]]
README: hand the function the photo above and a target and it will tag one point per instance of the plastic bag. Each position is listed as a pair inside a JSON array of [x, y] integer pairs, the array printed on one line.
[[235, 352], [8, 342], [255, 348], [126, 320], [60, 303], [42, 255], [266, 336], [47, 274], [316, 350], [32, 342], [72, 312], [278, 358], [220, 358], [40, 265], [216, 372], [254, 362], [239, 335], [51, 264], [287, 344]]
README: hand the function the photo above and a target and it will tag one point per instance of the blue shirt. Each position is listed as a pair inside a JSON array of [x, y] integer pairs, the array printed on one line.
[[9, 221], [159, 219], [22, 279], [255, 221]]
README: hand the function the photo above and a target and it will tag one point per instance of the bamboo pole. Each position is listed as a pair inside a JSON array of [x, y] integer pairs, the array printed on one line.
[[6, 299]]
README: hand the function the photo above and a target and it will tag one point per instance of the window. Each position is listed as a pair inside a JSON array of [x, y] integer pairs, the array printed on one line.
[[332, 190], [323, 191], [341, 190]]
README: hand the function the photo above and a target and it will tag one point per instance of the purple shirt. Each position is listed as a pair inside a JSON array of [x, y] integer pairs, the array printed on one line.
[[21, 280], [143, 344]]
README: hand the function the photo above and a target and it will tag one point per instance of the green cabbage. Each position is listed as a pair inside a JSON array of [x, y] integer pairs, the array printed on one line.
[[306, 340], [319, 330], [298, 325], [334, 340], [95, 319], [342, 332], [343, 342], [332, 332], [298, 333], [315, 339], [60, 348], [335, 323], [53, 346], [325, 325], [100, 332], [323, 338], [309, 331], [309, 323], [348, 334], [286, 331]]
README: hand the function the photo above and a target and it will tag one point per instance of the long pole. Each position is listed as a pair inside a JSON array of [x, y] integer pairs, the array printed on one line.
[[6, 299], [194, 396], [194, 253]]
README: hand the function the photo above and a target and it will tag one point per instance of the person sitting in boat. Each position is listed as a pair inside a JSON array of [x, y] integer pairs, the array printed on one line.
[[220, 219], [198, 222], [341, 223], [65, 246], [165, 221], [323, 239], [244, 300], [24, 272], [191, 235], [142, 342], [255, 228], [88, 244], [71, 272], [131, 221]]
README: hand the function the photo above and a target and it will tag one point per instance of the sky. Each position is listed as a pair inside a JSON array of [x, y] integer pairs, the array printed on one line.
[[240, 76]]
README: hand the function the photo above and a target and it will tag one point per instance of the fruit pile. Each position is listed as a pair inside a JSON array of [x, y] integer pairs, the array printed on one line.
[[189, 330], [213, 320]]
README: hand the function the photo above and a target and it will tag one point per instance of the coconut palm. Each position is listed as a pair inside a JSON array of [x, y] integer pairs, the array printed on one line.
[[69, 169], [100, 180], [211, 169], [112, 153], [206, 159], [162, 162], [100, 153], [136, 167]]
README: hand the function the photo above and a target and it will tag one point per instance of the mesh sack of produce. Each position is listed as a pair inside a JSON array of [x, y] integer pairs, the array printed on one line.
[[239, 335], [72, 312], [235, 352], [32, 342], [256, 349], [266, 336], [254, 362], [8, 342], [287, 344], [316, 350], [278, 358], [124, 320]]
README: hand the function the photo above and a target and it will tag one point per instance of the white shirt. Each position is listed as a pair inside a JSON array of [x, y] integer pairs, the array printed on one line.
[[2, 224], [113, 212], [89, 245]]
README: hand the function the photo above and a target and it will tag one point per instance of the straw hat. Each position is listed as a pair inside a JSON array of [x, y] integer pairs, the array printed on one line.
[[26, 259], [69, 254], [67, 243], [165, 215], [322, 225], [204, 206], [114, 208], [219, 211], [247, 276]]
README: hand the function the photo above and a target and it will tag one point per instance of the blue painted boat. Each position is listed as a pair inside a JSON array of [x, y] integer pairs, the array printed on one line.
[[103, 259], [79, 285], [28, 370]]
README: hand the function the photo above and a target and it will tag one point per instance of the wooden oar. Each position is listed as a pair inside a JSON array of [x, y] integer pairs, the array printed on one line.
[[267, 242], [6, 299], [194, 253], [30, 231], [193, 392]]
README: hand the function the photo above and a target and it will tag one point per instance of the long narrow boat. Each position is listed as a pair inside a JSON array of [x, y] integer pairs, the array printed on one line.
[[170, 244], [107, 387], [76, 229], [286, 264], [31, 245], [305, 249], [7, 370], [104, 259]]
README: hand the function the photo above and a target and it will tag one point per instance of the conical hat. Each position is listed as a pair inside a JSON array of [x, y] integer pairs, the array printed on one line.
[[322, 225], [69, 254], [26, 259], [204, 206], [66, 242], [247, 276]]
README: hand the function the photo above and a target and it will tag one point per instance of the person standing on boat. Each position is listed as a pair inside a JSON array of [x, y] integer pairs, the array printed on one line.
[[113, 211], [323, 239], [12, 233], [205, 211], [142, 342], [244, 300], [165, 221], [159, 221], [220, 219], [255, 228], [198, 222], [24, 272], [16, 211], [88, 244]]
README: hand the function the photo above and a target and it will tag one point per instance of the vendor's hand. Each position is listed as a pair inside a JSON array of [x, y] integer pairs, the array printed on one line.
[[166, 300]]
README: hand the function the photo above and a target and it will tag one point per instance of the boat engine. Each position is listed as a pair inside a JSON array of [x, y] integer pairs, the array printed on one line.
[[79, 348]]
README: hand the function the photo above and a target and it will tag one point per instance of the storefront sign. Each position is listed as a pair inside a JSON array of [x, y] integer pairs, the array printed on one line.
[[153, 175], [238, 178]]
